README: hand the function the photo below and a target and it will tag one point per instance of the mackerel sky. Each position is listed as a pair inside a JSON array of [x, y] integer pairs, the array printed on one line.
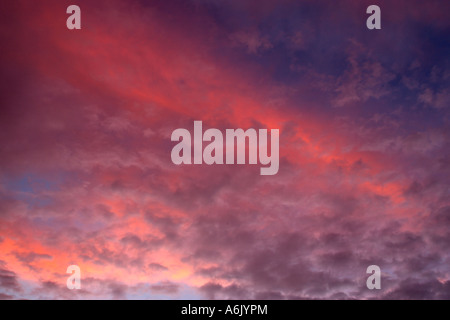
[[86, 177]]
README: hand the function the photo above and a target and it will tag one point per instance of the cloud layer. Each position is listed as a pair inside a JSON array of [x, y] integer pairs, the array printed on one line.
[[86, 176]]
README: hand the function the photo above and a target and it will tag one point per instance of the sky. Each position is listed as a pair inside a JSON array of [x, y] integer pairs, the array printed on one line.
[[86, 176]]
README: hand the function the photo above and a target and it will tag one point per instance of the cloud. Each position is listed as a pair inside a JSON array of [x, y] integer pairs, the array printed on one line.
[[157, 267], [363, 79], [9, 281], [413, 289], [118, 291], [30, 257], [165, 287], [252, 41], [6, 297], [87, 179]]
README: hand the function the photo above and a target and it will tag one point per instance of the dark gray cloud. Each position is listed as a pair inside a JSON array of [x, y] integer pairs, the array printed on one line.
[[157, 267], [9, 281], [165, 287]]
